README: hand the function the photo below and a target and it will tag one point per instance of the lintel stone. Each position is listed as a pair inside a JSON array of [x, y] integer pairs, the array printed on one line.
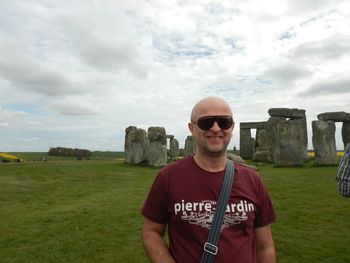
[[287, 113], [337, 116], [253, 125]]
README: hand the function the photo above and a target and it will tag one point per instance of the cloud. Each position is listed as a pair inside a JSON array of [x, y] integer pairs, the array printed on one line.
[[331, 86], [74, 107], [105, 42], [334, 47], [287, 73], [26, 73]]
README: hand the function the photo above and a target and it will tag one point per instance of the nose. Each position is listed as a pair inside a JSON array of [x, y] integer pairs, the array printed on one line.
[[215, 127]]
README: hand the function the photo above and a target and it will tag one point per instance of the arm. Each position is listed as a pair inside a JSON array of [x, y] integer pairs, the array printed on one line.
[[154, 243], [265, 248]]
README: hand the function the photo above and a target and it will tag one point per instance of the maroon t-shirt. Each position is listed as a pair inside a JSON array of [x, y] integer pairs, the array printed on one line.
[[184, 196]]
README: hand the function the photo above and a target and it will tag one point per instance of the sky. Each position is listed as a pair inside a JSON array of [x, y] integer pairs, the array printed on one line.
[[78, 73]]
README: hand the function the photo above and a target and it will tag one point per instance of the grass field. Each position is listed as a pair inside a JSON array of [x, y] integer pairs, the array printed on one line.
[[88, 211]]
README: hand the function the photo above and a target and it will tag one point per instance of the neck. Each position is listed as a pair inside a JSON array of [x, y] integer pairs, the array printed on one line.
[[211, 164]]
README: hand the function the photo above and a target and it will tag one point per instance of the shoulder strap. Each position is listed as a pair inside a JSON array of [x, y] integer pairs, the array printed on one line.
[[210, 248]]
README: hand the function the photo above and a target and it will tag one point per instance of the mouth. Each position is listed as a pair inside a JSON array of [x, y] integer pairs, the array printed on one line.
[[214, 137]]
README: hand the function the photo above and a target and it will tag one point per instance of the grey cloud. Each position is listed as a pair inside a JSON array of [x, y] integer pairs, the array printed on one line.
[[332, 48], [328, 87], [74, 107], [108, 47], [287, 73], [26, 73]]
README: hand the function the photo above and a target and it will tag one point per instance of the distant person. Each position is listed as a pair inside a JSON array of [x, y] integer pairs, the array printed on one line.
[[343, 173], [184, 194]]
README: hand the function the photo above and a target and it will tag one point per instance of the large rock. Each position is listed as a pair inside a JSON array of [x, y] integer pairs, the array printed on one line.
[[174, 149], [157, 152], [128, 143], [253, 125], [190, 146], [261, 143], [338, 116], [286, 112], [246, 144], [290, 147], [323, 140], [271, 129], [261, 156], [138, 147], [345, 131]]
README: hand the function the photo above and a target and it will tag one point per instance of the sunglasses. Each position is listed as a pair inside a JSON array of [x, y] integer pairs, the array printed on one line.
[[206, 122]]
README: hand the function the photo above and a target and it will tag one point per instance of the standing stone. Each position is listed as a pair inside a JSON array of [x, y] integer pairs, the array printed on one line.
[[139, 145], [246, 145], [174, 149], [128, 143], [261, 153], [190, 146], [345, 132], [323, 140], [271, 130], [261, 140], [157, 153], [290, 147]]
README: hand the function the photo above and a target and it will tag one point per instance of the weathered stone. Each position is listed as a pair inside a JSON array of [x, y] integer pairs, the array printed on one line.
[[139, 146], [246, 146], [235, 157], [190, 146], [271, 129], [261, 156], [323, 140], [157, 134], [290, 148], [170, 136], [261, 143], [253, 125], [157, 152], [338, 116], [345, 131], [128, 143], [174, 149], [238, 159], [286, 113]]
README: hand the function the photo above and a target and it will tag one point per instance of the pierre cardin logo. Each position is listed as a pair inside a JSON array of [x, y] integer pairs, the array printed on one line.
[[201, 213]]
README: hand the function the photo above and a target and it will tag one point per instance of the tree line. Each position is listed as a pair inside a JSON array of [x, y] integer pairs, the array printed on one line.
[[63, 151]]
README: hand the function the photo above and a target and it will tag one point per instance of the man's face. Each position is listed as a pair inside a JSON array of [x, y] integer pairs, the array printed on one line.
[[214, 141]]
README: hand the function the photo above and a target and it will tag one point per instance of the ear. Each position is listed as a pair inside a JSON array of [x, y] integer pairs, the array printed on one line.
[[190, 127]]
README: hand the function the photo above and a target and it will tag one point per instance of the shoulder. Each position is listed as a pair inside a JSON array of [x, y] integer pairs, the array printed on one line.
[[245, 168], [247, 174], [179, 164]]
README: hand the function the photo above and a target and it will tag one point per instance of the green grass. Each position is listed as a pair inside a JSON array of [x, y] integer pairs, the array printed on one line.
[[88, 211]]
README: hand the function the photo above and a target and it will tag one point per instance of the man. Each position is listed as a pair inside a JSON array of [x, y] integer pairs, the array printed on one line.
[[343, 173], [184, 195]]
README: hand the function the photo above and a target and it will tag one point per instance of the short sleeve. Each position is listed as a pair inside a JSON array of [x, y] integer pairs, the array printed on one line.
[[155, 207]]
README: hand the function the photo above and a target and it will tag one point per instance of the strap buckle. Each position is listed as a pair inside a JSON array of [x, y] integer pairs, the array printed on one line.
[[210, 248]]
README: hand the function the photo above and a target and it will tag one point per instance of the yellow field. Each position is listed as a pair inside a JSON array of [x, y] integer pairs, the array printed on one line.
[[8, 156]]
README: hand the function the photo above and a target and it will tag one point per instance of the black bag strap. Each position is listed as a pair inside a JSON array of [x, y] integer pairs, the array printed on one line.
[[210, 248]]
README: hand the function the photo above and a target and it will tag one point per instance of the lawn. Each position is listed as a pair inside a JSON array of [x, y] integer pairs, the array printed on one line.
[[88, 211]]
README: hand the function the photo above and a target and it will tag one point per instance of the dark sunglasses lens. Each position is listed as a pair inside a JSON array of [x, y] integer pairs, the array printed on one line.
[[206, 123], [224, 122]]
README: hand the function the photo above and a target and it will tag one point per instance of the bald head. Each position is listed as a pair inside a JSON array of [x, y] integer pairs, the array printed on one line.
[[210, 106]]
